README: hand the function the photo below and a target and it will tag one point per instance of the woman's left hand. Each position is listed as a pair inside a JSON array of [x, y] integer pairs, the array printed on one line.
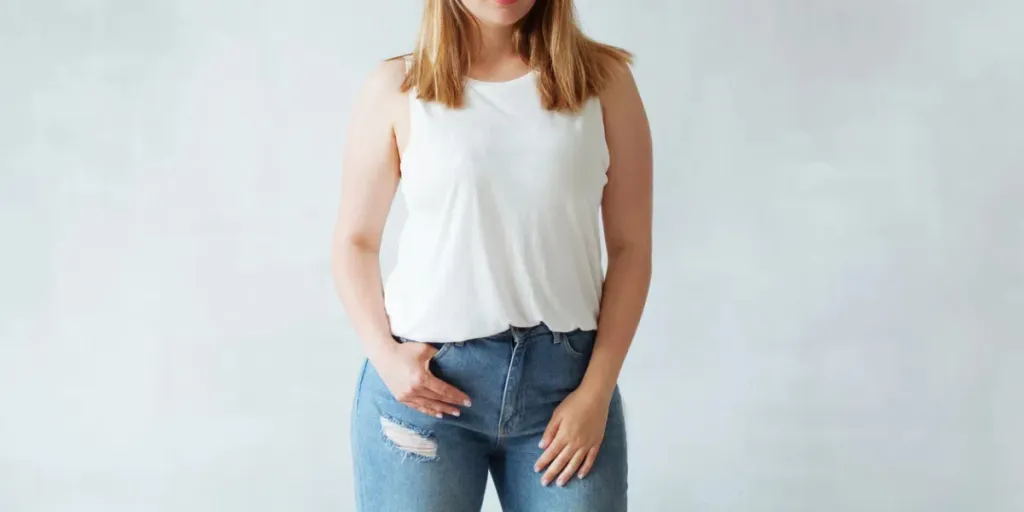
[[573, 437]]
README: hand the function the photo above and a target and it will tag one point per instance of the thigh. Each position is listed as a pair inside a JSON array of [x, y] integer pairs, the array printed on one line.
[[406, 460], [602, 490]]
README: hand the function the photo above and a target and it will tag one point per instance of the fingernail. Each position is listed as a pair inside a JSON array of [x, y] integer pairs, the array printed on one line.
[[467, 403], [536, 469], [561, 483], [579, 475], [544, 481], [455, 412], [542, 443], [439, 415]]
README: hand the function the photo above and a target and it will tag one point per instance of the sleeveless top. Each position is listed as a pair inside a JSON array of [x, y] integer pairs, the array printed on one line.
[[503, 224]]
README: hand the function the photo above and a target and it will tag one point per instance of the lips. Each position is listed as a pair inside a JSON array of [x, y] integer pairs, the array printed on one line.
[[505, 2]]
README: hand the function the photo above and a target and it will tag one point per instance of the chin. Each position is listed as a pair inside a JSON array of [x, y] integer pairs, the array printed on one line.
[[500, 21], [499, 13]]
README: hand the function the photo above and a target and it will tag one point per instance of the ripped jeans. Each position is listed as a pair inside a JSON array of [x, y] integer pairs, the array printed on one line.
[[408, 461]]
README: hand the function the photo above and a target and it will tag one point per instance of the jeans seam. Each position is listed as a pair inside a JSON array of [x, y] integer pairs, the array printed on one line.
[[516, 347], [444, 348], [359, 384], [568, 346]]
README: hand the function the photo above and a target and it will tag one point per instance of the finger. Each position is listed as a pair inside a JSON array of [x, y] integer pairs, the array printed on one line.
[[421, 406], [557, 465], [571, 467], [447, 392], [424, 393], [434, 395], [425, 406], [549, 455], [439, 406], [589, 463], [443, 407], [549, 432]]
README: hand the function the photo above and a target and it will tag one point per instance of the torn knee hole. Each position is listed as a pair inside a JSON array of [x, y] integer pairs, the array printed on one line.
[[409, 439]]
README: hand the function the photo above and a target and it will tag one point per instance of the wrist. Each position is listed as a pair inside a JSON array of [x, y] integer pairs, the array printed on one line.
[[599, 389], [380, 348], [602, 375]]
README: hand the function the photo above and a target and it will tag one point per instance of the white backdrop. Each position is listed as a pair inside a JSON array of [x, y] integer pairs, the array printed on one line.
[[834, 323]]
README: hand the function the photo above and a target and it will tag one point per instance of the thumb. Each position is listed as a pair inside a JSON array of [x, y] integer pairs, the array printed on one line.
[[550, 431]]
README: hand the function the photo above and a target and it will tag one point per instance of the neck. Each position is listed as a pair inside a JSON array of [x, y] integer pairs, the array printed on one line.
[[494, 43]]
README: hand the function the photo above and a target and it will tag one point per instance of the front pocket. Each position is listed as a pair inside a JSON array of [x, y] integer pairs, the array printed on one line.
[[576, 343], [441, 350], [442, 347]]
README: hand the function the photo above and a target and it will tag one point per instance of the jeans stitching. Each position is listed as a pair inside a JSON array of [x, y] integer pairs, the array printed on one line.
[[440, 351], [568, 346], [359, 384]]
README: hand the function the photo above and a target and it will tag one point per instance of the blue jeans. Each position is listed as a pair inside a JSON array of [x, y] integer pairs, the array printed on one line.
[[515, 380]]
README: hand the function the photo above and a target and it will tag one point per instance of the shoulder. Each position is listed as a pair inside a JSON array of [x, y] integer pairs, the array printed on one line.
[[627, 128], [390, 73], [610, 68], [620, 86], [386, 78], [381, 90]]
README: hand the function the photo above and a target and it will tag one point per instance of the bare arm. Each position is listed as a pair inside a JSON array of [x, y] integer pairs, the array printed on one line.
[[573, 436], [627, 212], [369, 181]]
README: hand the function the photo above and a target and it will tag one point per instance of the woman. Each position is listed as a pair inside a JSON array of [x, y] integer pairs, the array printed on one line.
[[497, 342]]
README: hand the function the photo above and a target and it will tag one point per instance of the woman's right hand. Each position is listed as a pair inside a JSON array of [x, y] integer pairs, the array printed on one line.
[[405, 370]]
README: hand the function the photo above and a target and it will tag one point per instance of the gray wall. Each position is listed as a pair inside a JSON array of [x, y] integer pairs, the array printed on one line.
[[834, 322]]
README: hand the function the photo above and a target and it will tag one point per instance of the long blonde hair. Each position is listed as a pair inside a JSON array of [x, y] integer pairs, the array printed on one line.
[[571, 67]]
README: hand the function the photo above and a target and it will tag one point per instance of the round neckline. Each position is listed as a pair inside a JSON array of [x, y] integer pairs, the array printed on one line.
[[487, 83]]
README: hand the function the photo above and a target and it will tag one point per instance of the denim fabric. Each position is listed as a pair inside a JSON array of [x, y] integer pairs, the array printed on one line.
[[515, 380]]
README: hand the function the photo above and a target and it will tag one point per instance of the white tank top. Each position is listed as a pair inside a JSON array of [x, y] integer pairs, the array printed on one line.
[[503, 226]]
